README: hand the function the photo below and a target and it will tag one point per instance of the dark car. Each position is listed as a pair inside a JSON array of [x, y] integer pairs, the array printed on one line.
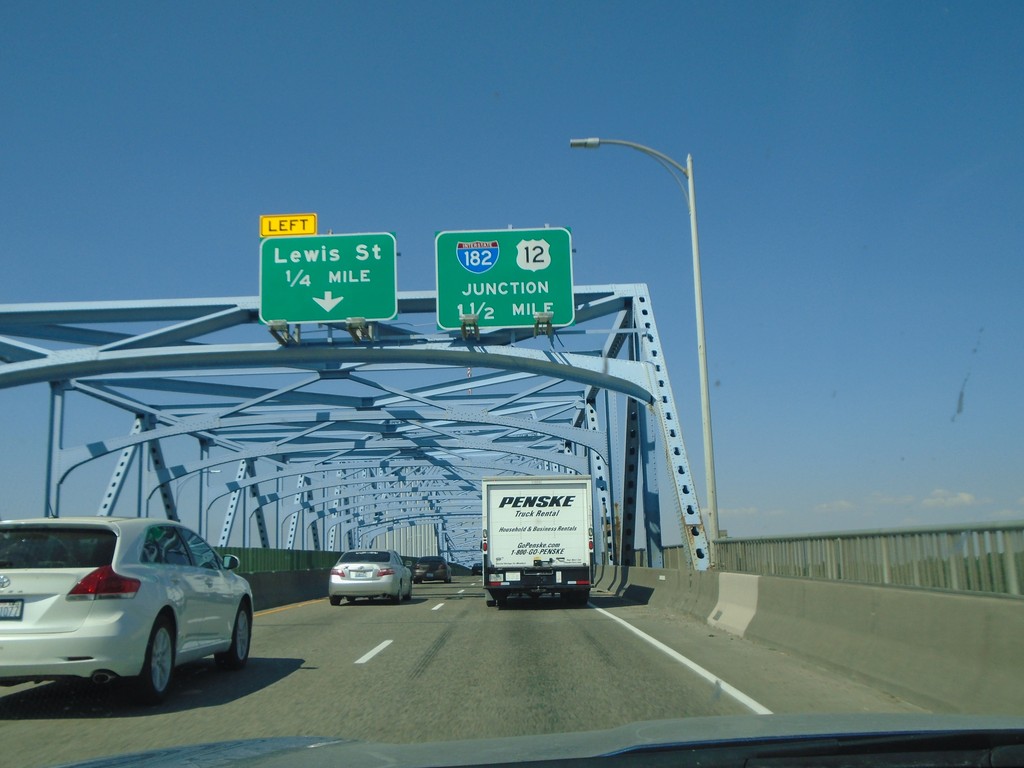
[[432, 569], [478, 569]]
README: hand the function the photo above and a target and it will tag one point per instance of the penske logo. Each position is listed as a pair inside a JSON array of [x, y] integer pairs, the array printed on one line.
[[537, 501]]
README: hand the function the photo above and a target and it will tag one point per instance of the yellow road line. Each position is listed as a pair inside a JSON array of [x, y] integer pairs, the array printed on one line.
[[268, 611]]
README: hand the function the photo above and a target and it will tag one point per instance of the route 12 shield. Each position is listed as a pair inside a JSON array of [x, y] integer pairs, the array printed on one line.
[[533, 255]]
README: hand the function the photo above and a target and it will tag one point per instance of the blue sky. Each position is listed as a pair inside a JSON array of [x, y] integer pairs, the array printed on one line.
[[859, 172]]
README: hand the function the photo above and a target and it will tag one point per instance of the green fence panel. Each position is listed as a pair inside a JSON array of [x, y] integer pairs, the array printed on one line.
[[258, 560]]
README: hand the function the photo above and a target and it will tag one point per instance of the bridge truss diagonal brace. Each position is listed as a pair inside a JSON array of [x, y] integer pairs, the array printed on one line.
[[245, 469], [631, 480], [159, 466], [689, 517], [119, 475], [602, 492]]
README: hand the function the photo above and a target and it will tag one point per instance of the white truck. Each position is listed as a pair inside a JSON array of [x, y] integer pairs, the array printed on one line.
[[538, 537]]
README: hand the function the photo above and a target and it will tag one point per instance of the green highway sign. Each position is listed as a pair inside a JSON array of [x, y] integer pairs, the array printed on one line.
[[328, 278], [504, 277]]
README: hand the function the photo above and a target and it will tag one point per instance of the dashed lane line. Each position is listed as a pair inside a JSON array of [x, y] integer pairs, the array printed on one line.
[[370, 654]]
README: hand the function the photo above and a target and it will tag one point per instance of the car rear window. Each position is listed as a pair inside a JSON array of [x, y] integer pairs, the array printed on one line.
[[52, 547], [431, 561], [365, 557]]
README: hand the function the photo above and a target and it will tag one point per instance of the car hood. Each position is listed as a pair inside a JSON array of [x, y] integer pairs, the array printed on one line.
[[719, 740]]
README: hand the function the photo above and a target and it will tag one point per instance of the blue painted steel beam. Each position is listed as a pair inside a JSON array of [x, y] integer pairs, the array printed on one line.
[[313, 400]]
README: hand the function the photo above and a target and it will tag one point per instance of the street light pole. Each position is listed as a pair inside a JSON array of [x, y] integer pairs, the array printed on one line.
[[705, 396], [179, 484]]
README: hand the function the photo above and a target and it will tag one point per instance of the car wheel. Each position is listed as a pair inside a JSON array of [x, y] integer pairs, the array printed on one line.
[[236, 656], [397, 597], [158, 666], [335, 600], [408, 592]]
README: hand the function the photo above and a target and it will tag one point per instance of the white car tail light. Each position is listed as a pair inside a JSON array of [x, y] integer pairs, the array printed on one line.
[[104, 583]]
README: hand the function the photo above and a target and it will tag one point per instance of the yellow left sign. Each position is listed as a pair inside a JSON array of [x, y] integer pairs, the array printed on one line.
[[285, 224]]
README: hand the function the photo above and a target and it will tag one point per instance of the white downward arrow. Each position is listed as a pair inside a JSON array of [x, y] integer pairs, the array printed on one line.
[[328, 302]]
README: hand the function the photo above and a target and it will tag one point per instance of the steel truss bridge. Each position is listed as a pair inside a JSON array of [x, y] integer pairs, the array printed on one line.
[[333, 436]]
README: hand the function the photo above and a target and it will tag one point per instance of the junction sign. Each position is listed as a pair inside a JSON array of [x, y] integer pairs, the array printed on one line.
[[505, 278]]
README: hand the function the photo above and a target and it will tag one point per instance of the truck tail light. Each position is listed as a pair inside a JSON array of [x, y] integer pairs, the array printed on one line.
[[104, 583]]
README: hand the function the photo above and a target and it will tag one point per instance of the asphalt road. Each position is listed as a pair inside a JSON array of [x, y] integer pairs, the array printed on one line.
[[442, 667]]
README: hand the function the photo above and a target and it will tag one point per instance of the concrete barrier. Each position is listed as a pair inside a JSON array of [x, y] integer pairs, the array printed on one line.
[[944, 651], [950, 652], [271, 589], [737, 602], [692, 592]]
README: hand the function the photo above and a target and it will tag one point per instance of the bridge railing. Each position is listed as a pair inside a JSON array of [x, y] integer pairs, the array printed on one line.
[[985, 558]]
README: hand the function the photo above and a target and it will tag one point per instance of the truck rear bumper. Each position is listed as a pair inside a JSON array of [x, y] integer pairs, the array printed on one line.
[[538, 581]]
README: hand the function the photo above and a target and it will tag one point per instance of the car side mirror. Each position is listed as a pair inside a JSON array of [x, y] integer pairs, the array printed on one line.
[[231, 562]]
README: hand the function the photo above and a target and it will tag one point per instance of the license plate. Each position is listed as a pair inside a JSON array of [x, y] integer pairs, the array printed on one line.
[[360, 575], [11, 609]]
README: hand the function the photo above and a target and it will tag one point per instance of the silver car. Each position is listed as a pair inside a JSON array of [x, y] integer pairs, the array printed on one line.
[[370, 573], [102, 598]]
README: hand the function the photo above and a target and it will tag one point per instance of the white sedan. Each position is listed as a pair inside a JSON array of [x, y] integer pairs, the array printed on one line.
[[103, 598], [369, 573]]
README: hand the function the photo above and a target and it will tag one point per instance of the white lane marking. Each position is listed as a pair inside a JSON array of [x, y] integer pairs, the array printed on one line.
[[367, 656], [436, 607], [738, 695], [461, 591]]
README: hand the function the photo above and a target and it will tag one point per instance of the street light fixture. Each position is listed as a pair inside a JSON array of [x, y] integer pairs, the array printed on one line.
[[705, 398], [179, 484]]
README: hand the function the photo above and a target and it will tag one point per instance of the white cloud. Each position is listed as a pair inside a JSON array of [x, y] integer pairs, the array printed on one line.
[[884, 500], [942, 499], [841, 505], [740, 512]]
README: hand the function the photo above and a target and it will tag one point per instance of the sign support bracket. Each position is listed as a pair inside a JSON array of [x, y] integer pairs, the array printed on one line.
[[359, 329], [471, 327], [282, 332], [542, 323]]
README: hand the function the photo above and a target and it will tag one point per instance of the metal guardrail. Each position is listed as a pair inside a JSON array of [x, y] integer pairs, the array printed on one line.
[[987, 558]]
